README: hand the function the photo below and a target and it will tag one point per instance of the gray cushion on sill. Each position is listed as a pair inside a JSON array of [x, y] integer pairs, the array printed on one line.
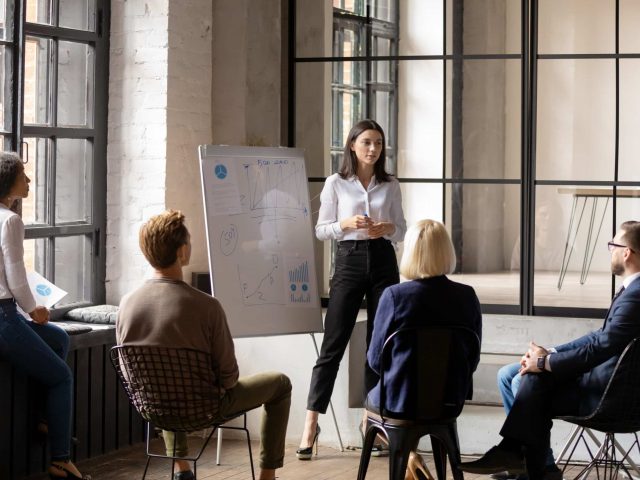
[[100, 314]]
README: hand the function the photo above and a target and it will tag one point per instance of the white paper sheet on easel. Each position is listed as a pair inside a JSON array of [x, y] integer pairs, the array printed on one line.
[[44, 292]]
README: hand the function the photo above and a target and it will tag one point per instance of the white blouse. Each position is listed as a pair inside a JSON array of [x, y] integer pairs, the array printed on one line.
[[343, 198], [13, 276]]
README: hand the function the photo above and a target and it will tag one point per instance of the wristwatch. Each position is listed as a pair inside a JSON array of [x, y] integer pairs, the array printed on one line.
[[540, 362]]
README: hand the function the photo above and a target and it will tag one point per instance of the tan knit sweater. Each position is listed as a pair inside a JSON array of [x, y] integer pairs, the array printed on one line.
[[171, 313]]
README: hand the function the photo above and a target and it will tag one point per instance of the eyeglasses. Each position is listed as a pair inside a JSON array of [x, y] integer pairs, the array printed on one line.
[[612, 245]]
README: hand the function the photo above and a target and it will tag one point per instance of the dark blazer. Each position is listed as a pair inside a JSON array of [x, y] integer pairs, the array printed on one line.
[[429, 301], [593, 356]]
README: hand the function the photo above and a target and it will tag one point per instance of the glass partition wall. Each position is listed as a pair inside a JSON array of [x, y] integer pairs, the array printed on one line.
[[510, 121]]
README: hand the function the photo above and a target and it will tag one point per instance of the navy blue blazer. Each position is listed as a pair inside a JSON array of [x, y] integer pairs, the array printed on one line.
[[592, 357], [428, 301]]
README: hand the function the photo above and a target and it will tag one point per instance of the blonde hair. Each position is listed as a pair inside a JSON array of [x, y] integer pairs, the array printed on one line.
[[162, 236], [428, 251]]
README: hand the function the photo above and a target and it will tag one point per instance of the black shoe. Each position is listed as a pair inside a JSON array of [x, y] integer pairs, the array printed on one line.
[[307, 453], [552, 472], [509, 476], [496, 460], [188, 475]]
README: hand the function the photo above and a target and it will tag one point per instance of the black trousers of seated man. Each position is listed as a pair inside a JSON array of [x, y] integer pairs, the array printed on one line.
[[540, 397]]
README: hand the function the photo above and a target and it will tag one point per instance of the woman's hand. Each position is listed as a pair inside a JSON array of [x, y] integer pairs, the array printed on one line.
[[355, 222], [380, 229], [40, 315]]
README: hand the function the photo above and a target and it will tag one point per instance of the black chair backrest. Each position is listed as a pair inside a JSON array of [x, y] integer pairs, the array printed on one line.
[[619, 407], [173, 388], [440, 359]]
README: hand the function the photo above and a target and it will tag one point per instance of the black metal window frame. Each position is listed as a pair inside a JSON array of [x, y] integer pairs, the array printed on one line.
[[529, 58], [95, 134]]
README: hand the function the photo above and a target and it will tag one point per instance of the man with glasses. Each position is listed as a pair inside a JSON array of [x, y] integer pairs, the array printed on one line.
[[570, 379]]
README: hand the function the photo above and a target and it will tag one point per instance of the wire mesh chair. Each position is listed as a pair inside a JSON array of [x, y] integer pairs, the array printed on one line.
[[617, 412], [437, 375], [175, 389]]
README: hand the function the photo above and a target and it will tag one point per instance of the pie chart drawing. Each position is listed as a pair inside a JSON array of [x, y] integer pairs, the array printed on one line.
[[220, 171], [43, 290]]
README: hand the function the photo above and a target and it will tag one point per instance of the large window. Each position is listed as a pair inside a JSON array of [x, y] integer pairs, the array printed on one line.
[[54, 66], [514, 122]]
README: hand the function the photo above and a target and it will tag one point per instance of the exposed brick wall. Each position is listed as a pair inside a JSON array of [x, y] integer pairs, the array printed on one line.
[[137, 135]]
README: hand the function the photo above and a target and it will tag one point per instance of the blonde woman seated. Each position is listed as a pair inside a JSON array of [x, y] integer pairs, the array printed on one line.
[[428, 298]]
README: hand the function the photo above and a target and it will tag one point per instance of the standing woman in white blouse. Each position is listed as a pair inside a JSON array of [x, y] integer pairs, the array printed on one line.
[[36, 347], [361, 207]]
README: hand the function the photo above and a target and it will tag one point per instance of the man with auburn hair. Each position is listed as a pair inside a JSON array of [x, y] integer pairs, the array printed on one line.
[[570, 379], [166, 311]]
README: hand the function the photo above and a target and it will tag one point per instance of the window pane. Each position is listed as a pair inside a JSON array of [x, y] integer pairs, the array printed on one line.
[[421, 200], [75, 84], [5, 90], [629, 107], [384, 10], [627, 208], [73, 180], [348, 39], [484, 221], [313, 115], [6, 20], [37, 70], [572, 263], [78, 14], [420, 100], [35, 255], [421, 27], [484, 118], [39, 11], [73, 268], [629, 25], [34, 207], [575, 137], [314, 27], [487, 27], [383, 103], [576, 26]]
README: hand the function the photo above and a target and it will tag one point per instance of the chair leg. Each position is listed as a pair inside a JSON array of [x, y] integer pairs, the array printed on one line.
[[444, 440], [400, 446], [439, 458], [146, 467], [246, 430], [606, 459], [367, 445]]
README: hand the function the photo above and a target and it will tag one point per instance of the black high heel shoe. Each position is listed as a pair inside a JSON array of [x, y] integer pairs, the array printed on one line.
[[307, 453], [67, 473]]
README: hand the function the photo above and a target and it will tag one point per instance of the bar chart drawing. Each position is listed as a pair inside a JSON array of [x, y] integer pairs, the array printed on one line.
[[299, 291]]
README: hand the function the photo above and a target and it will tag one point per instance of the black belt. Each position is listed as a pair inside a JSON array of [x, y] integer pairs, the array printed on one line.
[[376, 242], [7, 301]]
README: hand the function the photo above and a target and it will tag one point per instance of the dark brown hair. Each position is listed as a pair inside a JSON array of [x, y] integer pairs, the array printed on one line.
[[632, 234], [162, 236], [349, 165]]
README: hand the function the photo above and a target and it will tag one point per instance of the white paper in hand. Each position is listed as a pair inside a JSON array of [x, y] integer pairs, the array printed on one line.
[[44, 292]]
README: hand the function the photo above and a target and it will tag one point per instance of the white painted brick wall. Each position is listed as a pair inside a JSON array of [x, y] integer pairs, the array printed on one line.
[[189, 117], [137, 137]]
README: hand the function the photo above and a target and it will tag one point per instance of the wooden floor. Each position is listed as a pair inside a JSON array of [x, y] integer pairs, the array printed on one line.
[[329, 464]]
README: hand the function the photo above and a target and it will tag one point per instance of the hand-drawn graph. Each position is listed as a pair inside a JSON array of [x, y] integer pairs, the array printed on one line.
[[276, 184], [298, 278], [264, 287]]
